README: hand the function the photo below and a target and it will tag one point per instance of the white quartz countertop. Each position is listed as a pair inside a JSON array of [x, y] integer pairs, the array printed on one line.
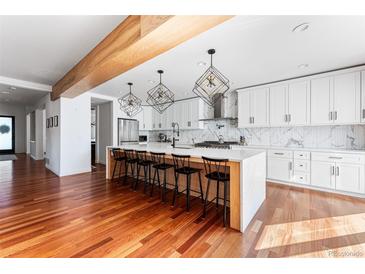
[[232, 155], [328, 150]]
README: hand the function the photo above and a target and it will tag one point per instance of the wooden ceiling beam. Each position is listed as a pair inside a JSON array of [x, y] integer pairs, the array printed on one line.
[[136, 40]]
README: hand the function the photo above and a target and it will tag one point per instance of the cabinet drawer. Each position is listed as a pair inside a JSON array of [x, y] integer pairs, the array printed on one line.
[[280, 154], [338, 157], [302, 155], [301, 165], [301, 178]]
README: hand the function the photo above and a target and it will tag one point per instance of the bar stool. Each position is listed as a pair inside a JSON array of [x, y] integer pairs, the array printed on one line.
[[119, 157], [131, 160], [146, 163], [182, 166], [216, 170], [160, 164]]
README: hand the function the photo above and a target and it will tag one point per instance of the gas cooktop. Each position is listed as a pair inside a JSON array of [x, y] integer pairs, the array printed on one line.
[[216, 144]]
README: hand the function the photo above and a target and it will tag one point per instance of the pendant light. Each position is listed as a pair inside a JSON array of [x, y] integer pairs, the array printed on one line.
[[130, 103], [160, 97], [212, 84]]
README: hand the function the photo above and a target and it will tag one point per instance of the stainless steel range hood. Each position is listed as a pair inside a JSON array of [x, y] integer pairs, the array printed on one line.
[[219, 109]]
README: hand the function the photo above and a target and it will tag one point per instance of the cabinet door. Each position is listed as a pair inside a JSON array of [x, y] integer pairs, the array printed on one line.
[[278, 105], [363, 97], [244, 112], [147, 118], [195, 113], [346, 98], [321, 90], [279, 169], [139, 118], [260, 106], [155, 119], [299, 103], [187, 123], [350, 178], [322, 174]]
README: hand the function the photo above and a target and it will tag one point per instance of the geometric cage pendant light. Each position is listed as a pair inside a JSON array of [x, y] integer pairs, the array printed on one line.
[[130, 103], [160, 97], [212, 84]]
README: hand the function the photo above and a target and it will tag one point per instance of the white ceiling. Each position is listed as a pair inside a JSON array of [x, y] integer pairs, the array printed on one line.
[[22, 96], [252, 50], [42, 49]]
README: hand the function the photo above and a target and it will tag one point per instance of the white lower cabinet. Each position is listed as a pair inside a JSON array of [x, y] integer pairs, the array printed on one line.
[[322, 174], [280, 169], [350, 178], [344, 172]]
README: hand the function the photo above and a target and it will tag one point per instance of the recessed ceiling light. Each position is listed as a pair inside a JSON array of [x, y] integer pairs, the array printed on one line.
[[201, 64], [5, 92], [151, 81], [301, 27], [302, 66], [13, 88]]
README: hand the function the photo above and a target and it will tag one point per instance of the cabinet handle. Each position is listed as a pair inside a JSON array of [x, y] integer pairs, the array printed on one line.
[[332, 170], [363, 113], [289, 116], [290, 166], [330, 116], [278, 153], [253, 120], [337, 171], [333, 157], [335, 115], [285, 118]]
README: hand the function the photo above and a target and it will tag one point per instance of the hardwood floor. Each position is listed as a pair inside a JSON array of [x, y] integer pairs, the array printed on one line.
[[84, 215]]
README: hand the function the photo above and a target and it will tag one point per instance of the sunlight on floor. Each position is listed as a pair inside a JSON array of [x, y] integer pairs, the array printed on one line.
[[350, 251], [310, 230]]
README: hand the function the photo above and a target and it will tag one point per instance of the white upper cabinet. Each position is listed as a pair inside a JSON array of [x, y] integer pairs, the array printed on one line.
[[279, 105], [321, 109], [298, 103], [336, 99], [244, 112], [253, 108], [362, 112], [260, 107], [186, 113], [346, 98], [289, 104]]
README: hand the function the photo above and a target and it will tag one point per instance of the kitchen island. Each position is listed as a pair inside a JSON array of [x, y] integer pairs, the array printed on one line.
[[247, 168]]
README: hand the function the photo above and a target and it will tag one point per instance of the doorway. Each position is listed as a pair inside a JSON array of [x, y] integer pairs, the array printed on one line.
[[7, 134]]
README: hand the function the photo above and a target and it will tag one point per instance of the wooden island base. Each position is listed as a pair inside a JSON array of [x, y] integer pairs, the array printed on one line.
[[234, 186]]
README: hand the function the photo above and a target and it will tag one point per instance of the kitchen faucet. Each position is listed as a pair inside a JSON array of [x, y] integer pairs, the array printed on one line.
[[174, 125]]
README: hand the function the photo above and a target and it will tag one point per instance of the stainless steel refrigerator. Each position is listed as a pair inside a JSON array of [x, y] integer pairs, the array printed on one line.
[[128, 131]]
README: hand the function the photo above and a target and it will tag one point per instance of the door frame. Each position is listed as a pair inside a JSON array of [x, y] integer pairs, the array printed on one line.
[[12, 150]]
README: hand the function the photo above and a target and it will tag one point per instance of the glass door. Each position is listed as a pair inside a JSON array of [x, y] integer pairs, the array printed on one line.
[[7, 134]]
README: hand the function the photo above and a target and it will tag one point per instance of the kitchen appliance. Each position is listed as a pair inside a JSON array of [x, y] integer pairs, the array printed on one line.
[[143, 139], [216, 144], [219, 108], [128, 131]]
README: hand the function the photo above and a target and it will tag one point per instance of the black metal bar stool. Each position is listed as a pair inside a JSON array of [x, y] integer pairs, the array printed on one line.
[[160, 164], [216, 170], [143, 161], [119, 157], [182, 166], [130, 161]]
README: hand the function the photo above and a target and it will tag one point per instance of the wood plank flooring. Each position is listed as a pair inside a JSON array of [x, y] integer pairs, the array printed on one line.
[[84, 215]]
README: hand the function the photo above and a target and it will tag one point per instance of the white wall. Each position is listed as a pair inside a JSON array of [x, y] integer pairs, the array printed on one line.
[[104, 130], [53, 136], [20, 124], [74, 124]]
